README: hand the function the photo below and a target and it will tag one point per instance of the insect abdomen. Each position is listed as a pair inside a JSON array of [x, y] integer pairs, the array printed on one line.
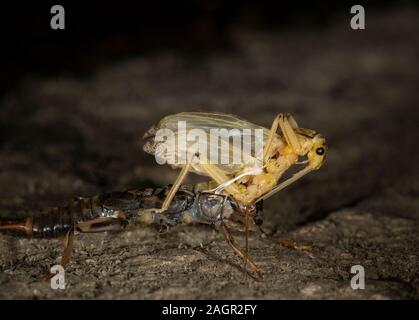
[[54, 222]]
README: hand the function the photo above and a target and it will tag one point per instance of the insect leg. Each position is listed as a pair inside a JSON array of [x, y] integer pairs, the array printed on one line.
[[292, 244], [285, 183], [178, 182], [68, 247], [221, 178], [230, 240], [287, 125], [146, 213], [23, 225], [246, 219], [285, 242], [102, 224], [272, 133]]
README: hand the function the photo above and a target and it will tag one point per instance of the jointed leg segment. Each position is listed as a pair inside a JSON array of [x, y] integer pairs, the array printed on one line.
[[178, 182], [288, 126], [230, 240], [68, 248]]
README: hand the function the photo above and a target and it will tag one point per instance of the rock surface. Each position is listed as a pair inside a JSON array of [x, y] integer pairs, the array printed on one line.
[[67, 136]]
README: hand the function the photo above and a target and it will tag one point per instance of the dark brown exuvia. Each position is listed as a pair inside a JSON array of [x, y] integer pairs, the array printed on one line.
[[122, 211]]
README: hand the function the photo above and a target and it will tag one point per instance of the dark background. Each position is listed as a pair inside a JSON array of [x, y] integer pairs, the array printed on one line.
[[75, 103], [100, 32]]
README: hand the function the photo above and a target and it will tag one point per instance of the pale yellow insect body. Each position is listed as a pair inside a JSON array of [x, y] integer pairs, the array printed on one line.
[[258, 172]]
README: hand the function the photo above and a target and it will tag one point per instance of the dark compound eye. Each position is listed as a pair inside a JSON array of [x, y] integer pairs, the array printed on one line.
[[320, 151]]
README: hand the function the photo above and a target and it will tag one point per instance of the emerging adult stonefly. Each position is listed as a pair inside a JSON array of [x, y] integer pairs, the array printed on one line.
[[247, 181], [253, 178]]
